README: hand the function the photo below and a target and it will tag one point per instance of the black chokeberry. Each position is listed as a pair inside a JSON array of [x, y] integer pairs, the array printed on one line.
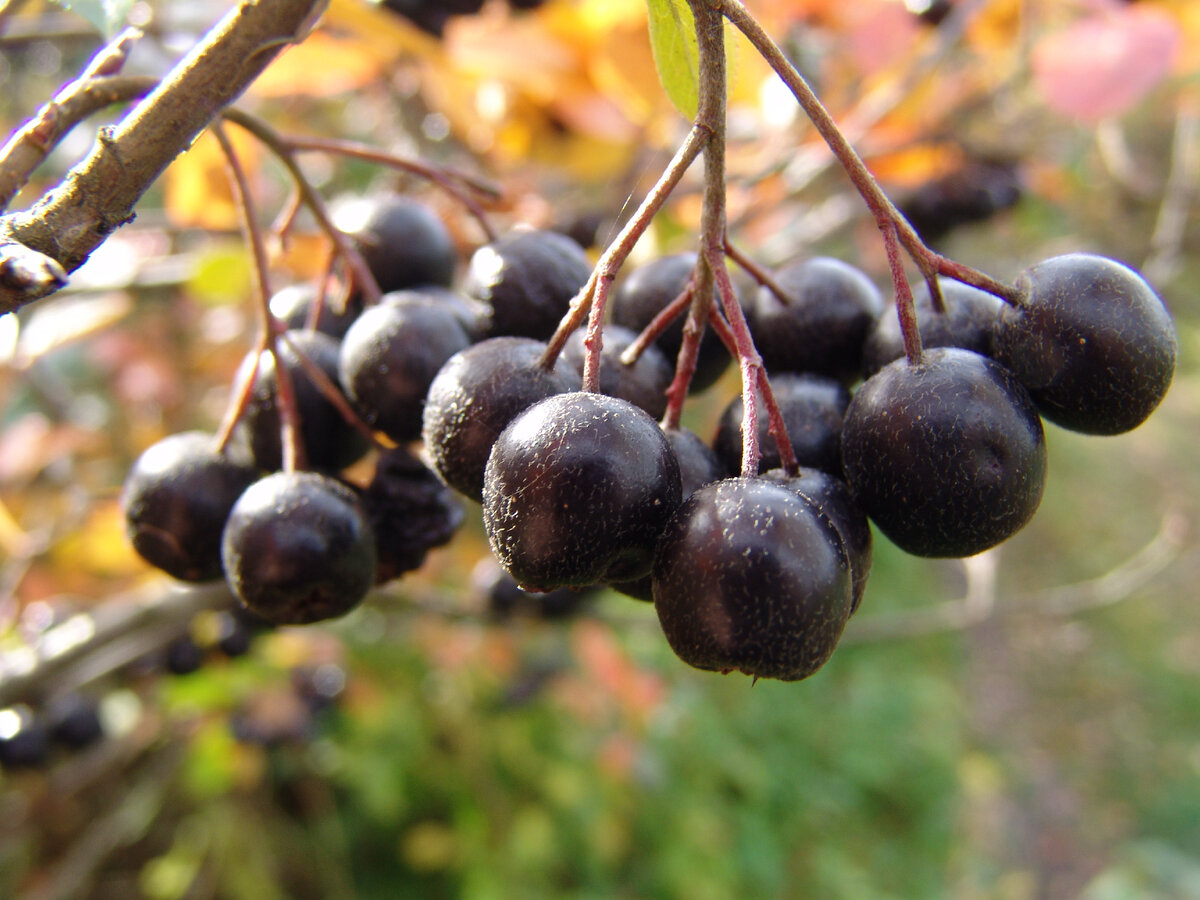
[[831, 495], [330, 442], [298, 548], [644, 383], [402, 241], [646, 291], [528, 279], [176, 499], [475, 395], [947, 456], [410, 510], [967, 321], [812, 407], [820, 329], [750, 576], [1091, 340], [577, 489], [389, 358]]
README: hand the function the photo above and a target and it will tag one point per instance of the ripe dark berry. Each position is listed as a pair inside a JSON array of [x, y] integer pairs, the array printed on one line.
[[967, 322], [293, 305], [698, 465], [831, 306], [298, 548], [974, 192], [403, 242], [1091, 340], [410, 512], [528, 278], [176, 499], [24, 740], [330, 442], [577, 489], [388, 360], [472, 315], [73, 720], [646, 291], [832, 496], [812, 407], [182, 655], [750, 576], [947, 456], [643, 384], [475, 395]]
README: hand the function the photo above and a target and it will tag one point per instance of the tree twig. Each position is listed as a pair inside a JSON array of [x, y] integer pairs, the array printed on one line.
[[99, 195]]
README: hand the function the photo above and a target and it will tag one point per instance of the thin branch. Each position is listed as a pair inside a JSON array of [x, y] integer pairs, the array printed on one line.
[[99, 195], [278, 144], [97, 86], [882, 208]]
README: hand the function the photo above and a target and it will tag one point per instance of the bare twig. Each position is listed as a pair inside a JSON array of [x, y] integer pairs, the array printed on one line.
[[97, 86], [99, 195]]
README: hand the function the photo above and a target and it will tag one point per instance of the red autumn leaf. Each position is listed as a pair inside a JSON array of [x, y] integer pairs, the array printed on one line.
[[1102, 65]]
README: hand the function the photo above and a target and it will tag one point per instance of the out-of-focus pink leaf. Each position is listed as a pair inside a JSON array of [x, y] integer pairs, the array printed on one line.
[[1102, 65]]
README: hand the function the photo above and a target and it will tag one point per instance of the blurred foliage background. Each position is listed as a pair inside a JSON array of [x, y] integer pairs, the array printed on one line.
[[1022, 725]]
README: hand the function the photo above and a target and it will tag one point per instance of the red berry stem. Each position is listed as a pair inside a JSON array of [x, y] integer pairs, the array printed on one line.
[[905, 307], [710, 42], [657, 326], [615, 254], [446, 180], [757, 272], [269, 328], [275, 142], [776, 426]]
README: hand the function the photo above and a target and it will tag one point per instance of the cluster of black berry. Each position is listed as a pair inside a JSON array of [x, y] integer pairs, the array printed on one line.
[[944, 452], [297, 546], [941, 445]]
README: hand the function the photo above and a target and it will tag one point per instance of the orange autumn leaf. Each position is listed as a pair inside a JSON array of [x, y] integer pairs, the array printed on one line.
[[197, 189]]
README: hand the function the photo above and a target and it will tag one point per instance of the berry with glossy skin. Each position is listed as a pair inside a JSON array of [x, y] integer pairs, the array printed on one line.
[[73, 720], [330, 442], [528, 279], [646, 291], [750, 576], [577, 489], [832, 496], [410, 510], [475, 395], [176, 499], [831, 306], [698, 465], [947, 456], [812, 407], [24, 739], [643, 384], [298, 548], [402, 241], [1091, 340], [182, 655], [293, 305], [472, 315], [967, 322], [389, 357]]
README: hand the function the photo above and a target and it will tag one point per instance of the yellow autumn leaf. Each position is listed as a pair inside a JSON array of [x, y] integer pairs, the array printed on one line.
[[196, 186]]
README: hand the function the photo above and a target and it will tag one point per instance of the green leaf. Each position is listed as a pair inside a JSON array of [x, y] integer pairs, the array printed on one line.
[[108, 16], [673, 39]]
